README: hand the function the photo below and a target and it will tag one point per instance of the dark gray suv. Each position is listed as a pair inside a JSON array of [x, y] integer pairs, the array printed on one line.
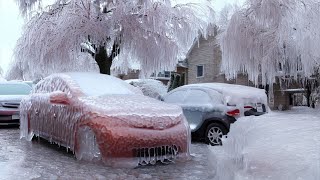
[[208, 117]]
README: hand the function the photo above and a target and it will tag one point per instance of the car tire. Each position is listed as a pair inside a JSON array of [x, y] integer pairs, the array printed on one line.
[[214, 134]]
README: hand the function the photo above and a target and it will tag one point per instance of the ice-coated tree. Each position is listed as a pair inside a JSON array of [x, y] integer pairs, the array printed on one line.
[[154, 33], [1, 77], [225, 15], [272, 38]]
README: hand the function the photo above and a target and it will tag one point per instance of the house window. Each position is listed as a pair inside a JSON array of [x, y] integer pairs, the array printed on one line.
[[161, 75], [200, 71], [280, 66]]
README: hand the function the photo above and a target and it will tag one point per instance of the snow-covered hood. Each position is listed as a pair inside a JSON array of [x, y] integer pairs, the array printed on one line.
[[135, 110], [11, 98]]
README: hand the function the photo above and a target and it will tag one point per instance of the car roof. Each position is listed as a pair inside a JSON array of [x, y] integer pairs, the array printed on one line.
[[232, 89], [93, 84], [14, 88], [185, 88], [232, 92], [225, 87]]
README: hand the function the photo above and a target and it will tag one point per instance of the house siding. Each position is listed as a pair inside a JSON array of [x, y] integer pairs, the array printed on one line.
[[204, 53], [207, 53]]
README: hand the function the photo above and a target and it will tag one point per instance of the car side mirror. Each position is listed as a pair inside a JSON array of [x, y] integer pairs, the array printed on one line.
[[59, 97]]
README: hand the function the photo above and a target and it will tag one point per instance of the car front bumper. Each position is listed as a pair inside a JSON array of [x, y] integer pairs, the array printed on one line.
[[143, 146], [9, 116], [9, 120]]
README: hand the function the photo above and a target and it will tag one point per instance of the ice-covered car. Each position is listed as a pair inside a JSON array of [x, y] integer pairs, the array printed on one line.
[[250, 100], [101, 117], [11, 94], [209, 118], [149, 87]]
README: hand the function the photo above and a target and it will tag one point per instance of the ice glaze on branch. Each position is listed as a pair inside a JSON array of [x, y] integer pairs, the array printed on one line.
[[153, 32], [272, 38]]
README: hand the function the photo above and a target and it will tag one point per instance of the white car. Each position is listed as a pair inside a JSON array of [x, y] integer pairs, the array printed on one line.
[[11, 94]]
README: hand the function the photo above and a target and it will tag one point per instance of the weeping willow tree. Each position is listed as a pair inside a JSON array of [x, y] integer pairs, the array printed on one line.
[[272, 38], [153, 33]]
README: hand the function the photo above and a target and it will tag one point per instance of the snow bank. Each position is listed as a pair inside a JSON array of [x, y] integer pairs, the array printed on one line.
[[278, 145]]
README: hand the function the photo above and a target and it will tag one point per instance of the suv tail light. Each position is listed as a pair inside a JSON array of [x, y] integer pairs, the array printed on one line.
[[248, 107], [233, 113]]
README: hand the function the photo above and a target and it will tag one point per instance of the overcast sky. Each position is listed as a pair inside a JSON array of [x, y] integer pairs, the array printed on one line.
[[11, 27]]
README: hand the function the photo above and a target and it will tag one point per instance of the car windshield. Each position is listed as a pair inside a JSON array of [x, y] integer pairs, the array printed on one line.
[[93, 84], [14, 89]]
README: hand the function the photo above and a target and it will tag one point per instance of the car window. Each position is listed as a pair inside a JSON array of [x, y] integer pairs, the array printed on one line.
[[52, 84], [216, 97], [195, 96], [176, 97], [93, 84], [14, 89]]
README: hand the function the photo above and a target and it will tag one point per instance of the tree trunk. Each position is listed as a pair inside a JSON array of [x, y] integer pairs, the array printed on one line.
[[104, 62], [308, 94]]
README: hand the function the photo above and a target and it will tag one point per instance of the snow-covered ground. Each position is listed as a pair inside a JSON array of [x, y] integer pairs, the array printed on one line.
[[275, 146]]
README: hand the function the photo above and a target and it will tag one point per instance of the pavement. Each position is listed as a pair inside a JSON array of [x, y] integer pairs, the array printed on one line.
[[38, 159]]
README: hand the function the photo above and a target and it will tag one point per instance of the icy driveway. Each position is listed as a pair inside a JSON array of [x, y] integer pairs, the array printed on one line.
[[20, 159]]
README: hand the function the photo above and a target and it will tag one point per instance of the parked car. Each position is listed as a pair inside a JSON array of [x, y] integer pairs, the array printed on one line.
[[209, 118], [11, 94], [250, 100], [101, 117], [149, 87], [210, 108]]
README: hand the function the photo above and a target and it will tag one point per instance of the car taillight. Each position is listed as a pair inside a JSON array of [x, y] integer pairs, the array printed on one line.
[[248, 107], [234, 112]]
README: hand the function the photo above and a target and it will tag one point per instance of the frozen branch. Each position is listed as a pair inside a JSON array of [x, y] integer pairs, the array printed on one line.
[[153, 33]]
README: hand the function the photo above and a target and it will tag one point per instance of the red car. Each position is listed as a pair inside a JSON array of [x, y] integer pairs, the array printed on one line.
[[100, 117]]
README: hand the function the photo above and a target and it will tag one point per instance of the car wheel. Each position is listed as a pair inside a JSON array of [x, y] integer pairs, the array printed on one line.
[[214, 134], [87, 146]]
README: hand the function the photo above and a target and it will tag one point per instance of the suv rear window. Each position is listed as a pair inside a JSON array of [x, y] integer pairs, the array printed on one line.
[[14, 89]]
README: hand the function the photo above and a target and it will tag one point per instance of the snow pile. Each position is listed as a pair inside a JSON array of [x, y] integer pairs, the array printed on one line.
[[278, 145], [149, 87]]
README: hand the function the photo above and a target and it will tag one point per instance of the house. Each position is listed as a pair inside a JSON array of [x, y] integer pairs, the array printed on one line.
[[203, 66]]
